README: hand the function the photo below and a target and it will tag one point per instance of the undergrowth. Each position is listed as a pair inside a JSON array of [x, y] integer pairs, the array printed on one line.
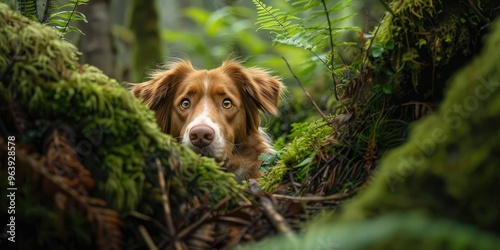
[[340, 156]]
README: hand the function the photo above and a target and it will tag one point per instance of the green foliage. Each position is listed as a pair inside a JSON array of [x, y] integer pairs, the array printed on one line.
[[391, 231], [316, 27], [451, 153], [308, 31], [377, 49], [435, 191], [308, 137], [278, 22], [309, 25], [426, 59], [51, 13], [217, 35], [61, 16], [28, 9]]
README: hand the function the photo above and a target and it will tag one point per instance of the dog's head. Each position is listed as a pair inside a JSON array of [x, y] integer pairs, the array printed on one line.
[[214, 112]]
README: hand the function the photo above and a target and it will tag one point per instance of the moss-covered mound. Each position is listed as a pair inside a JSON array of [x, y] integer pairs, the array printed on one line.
[[72, 124], [420, 43], [439, 189]]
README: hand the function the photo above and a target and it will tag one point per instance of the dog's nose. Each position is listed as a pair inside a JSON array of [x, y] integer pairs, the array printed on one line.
[[201, 136]]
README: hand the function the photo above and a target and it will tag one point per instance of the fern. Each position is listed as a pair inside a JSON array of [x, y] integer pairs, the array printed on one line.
[[311, 32], [51, 13], [28, 8], [308, 24], [278, 22], [66, 14]]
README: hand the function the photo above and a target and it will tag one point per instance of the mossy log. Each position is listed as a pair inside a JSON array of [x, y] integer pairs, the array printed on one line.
[[50, 103]]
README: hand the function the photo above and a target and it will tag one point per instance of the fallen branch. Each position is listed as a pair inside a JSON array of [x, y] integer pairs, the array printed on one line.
[[317, 198], [268, 209], [166, 206]]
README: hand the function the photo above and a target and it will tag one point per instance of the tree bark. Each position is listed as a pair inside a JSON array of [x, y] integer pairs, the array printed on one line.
[[97, 43], [147, 51]]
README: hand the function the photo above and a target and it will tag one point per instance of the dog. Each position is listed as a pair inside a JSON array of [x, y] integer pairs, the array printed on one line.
[[215, 112]]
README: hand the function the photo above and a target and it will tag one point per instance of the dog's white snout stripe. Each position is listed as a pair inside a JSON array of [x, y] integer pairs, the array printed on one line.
[[216, 148]]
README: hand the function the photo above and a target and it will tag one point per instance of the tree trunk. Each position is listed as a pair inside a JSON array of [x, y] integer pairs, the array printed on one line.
[[97, 43], [147, 51]]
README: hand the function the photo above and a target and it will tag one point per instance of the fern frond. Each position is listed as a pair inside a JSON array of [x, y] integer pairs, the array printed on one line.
[[28, 9], [312, 31], [280, 23], [308, 24], [66, 14], [51, 13]]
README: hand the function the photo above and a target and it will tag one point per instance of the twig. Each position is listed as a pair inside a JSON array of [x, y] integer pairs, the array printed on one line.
[[332, 63], [166, 206], [486, 20], [305, 91], [268, 209], [245, 199], [144, 217], [317, 198], [203, 218], [373, 38], [147, 238]]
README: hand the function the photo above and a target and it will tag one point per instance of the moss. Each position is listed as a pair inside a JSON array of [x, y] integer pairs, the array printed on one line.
[[308, 139], [390, 231], [429, 40], [115, 135]]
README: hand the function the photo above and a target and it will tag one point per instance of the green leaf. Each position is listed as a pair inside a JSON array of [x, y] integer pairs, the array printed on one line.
[[305, 162], [377, 49], [200, 16], [387, 89], [389, 45]]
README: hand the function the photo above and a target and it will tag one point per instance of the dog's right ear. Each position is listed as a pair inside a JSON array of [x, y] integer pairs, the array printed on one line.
[[157, 93]]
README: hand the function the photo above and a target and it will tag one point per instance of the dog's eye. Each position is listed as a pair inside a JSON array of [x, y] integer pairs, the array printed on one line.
[[227, 103], [185, 104]]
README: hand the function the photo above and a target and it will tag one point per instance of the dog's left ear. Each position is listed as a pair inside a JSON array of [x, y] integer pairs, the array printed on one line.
[[263, 88]]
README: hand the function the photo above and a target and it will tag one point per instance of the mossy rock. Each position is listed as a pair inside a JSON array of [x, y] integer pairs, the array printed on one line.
[[439, 189]]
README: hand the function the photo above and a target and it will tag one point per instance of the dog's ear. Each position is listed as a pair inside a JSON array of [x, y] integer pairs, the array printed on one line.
[[263, 88], [157, 93]]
